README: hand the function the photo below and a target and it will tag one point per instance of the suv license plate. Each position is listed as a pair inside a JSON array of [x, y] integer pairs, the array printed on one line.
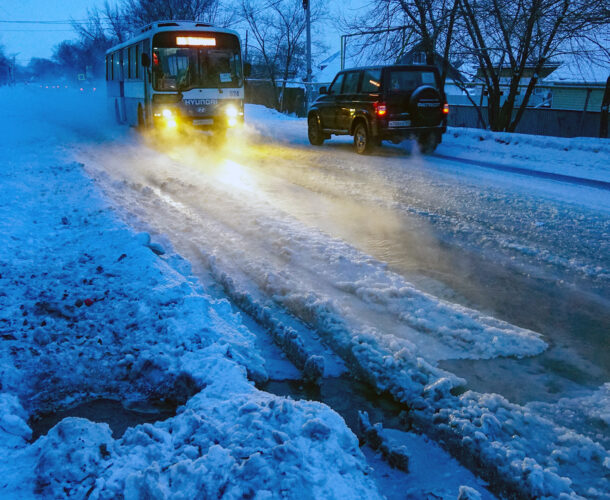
[[401, 123], [207, 121]]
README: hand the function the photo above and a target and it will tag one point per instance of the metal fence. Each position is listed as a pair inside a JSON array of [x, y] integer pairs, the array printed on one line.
[[536, 121], [292, 100]]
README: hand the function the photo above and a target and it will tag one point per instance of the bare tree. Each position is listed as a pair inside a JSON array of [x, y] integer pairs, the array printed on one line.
[[138, 13], [509, 43], [390, 28], [117, 23], [88, 51], [5, 67], [512, 41], [277, 27]]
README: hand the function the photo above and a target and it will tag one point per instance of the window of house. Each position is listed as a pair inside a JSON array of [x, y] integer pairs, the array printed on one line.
[[419, 58]]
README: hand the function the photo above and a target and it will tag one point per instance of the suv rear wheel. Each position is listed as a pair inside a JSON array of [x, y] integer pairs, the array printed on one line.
[[362, 139], [314, 132], [427, 142]]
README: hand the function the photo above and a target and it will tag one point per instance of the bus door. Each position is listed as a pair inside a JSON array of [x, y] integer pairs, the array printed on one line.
[[144, 62], [121, 67]]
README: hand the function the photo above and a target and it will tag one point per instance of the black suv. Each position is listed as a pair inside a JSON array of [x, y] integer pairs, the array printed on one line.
[[381, 103]]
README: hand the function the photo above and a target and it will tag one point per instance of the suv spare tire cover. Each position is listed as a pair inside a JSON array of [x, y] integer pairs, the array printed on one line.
[[426, 106]]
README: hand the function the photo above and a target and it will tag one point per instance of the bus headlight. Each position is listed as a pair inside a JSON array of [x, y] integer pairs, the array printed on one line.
[[231, 111], [170, 118]]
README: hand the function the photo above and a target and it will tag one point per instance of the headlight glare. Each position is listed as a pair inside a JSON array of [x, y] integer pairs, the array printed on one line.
[[231, 111]]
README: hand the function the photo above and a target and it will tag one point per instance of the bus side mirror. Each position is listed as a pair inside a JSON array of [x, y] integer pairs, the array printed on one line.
[[247, 69], [145, 60]]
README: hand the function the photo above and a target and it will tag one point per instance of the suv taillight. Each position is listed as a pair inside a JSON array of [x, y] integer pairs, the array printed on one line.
[[446, 109], [380, 108]]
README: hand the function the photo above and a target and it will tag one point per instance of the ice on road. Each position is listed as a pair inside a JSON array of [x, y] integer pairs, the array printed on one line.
[[424, 276]]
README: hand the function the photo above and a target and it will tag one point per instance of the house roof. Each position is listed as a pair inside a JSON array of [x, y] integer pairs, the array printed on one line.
[[325, 71], [581, 70]]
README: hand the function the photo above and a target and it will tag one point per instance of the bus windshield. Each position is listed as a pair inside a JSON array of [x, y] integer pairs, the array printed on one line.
[[183, 68]]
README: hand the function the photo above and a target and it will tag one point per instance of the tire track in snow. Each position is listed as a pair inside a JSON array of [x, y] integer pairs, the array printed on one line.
[[292, 263]]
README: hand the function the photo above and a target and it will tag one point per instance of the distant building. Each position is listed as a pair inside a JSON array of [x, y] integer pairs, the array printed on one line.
[[417, 55], [577, 84]]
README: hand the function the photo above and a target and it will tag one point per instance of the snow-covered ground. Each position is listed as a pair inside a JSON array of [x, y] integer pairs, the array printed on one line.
[[130, 286], [93, 309]]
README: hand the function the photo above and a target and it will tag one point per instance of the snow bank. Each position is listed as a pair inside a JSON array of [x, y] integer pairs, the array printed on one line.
[[579, 157], [529, 453], [228, 441]]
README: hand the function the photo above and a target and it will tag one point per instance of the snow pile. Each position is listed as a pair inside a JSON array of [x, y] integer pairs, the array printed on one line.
[[589, 415], [88, 310], [470, 333], [579, 157], [230, 441], [526, 451]]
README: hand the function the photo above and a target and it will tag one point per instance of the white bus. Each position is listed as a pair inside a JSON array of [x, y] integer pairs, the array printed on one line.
[[175, 74]]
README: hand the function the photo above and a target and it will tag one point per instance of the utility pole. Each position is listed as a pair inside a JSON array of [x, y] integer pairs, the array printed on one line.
[[246, 54], [307, 7], [12, 67]]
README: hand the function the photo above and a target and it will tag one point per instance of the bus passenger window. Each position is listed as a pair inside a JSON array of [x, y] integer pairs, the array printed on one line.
[[125, 67], [117, 66], [137, 65], [132, 62]]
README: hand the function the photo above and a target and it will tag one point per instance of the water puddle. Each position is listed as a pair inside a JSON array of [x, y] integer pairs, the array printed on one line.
[[345, 396], [106, 411]]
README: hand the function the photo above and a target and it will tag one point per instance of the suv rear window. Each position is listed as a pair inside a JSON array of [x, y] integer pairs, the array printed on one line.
[[406, 80]]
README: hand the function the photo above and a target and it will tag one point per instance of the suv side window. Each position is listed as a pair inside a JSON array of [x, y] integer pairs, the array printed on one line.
[[351, 82], [335, 87], [371, 81]]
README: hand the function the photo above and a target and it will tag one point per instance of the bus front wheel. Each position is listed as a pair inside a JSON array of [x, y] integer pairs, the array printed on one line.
[[117, 112], [141, 122]]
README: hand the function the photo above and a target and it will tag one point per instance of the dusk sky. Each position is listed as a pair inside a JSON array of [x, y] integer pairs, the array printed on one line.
[[28, 39]]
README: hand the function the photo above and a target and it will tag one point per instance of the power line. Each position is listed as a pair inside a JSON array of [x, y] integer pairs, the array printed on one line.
[[68, 21], [3, 30], [80, 22]]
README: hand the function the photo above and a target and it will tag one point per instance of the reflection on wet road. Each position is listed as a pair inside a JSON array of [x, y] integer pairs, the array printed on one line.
[[502, 248]]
